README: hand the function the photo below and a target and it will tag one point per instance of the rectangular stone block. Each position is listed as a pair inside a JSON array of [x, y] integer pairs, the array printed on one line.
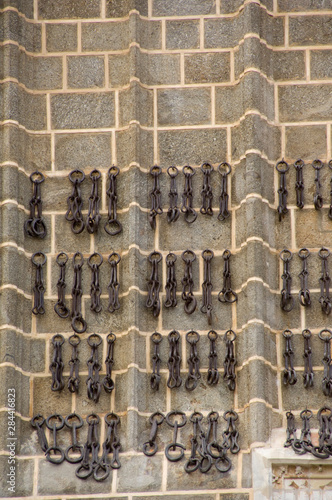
[[306, 142], [105, 36], [61, 37], [294, 398], [82, 150], [252, 174], [184, 106], [9, 55], [40, 73], [85, 72], [309, 30], [119, 69], [82, 110], [158, 69], [46, 401], [207, 68], [183, 8], [13, 379], [320, 64], [11, 300], [177, 497], [252, 375], [134, 480], [23, 352], [134, 145], [313, 227], [255, 340], [23, 6], [17, 29], [136, 103], [13, 264], [28, 109], [304, 103], [147, 33], [121, 8], [303, 5], [63, 10], [24, 471], [222, 32], [182, 34]]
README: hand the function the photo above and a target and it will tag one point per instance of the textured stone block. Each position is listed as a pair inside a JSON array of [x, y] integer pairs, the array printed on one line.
[[313, 227], [105, 36], [121, 8], [304, 103], [14, 261], [24, 470], [252, 376], [309, 30], [252, 174], [306, 142], [9, 56], [134, 145], [82, 151], [11, 300], [132, 478], [184, 106], [320, 64], [136, 103], [61, 37], [17, 29], [85, 72], [82, 110], [28, 109], [12, 378], [255, 340], [294, 397], [23, 6], [40, 73], [119, 69], [207, 68], [147, 33], [66, 240], [137, 395], [183, 7], [46, 401], [222, 32], [177, 497], [52, 9], [303, 5], [182, 34], [12, 224], [158, 69]]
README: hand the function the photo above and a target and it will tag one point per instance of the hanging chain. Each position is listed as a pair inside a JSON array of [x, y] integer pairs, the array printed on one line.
[[287, 301], [37, 423], [174, 360], [304, 444], [94, 367], [171, 283], [304, 294], [223, 463], [153, 300], [173, 212], [330, 209], [78, 323], [203, 462], [318, 198], [74, 364], [75, 202], [187, 196], [299, 185], [289, 374], [150, 447], [95, 261], [206, 308], [74, 422], [291, 430], [155, 378], [55, 454], [110, 445], [188, 258], [324, 282], [327, 378], [213, 374], [230, 360], [308, 375], [324, 448], [227, 295], [87, 466], [35, 225], [155, 196], [207, 195], [194, 375], [231, 434], [60, 307], [108, 382], [113, 287], [224, 197], [170, 451], [112, 226], [38, 259], [282, 209], [56, 366], [93, 218]]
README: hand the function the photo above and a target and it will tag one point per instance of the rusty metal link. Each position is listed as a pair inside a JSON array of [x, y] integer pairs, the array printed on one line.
[[230, 360], [227, 295], [38, 259], [88, 465], [60, 307], [113, 286], [324, 448], [153, 300], [155, 378], [299, 184], [94, 367], [93, 218], [324, 281], [330, 209], [199, 456], [304, 293], [282, 167], [110, 445], [213, 374], [231, 434], [214, 449], [318, 198], [112, 226], [173, 212], [291, 430], [75, 202], [37, 423], [52, 453], [174, 360], [289, 374], [206, 308], [327, 377], [187, 196], [74, 422], [171, 283], [95, 261], [150, 447], [170, 451], [207, 194], [308, 374], [78, 323], [304, 444], [224, 197], [35, 225], [74, 364], [155, 196], [194, 375], [187, 281], [108, 382], [56, 366], [287, 300]]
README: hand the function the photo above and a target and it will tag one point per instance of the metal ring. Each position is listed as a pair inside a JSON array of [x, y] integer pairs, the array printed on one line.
[[287, 334], [96, 254], [53, 460], [194, 337], [170, 258], [156, 414], [56, 337], [74, 460], [78, 320], [306, 334], [207, 167], [306, 411], [111, 169], [118, 227], [115, 261], [286, 255], [74, 343], [195, 417], [150, 449], [322, 251], [57, 416], [207, 254], [97, 343], [317, 164], [191, 256], [92, 419], [169, 171], [87, 467], [71, 416], [282, 170], [174, 446], [175, 412], [35, 418], [40, 177], [157, 259], [80, 176], [303, 253], [95, 175], [174, 334], [38, 263], [188, 170], [105, 467], [325, 339], [111, 338], [224, 164], [230, 332], [59, 257], [299, 164], [156, 338], [38, 227]]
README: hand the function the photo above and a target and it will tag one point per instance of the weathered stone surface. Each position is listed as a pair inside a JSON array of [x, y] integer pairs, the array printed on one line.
[[51, 9], [61, 37], [85, 72], [182, 34], [105, 36]]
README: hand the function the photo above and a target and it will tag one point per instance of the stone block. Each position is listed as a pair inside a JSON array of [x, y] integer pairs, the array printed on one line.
[[121, 8], [12, 224], [119, 69], [296, 397], [13, 269], [46, 401], [252, 174], [306, 142], [182, 34], [222, 32], [230, 7], [24, 471], [61, 37], [23, 6], [147, 33], [105, 36], [132, 478], [82, 150], [251, 376], [303, 5], [13, 379], [9, 56], [184, 106], [309, 30], [28, 109], [304, 103], [183, 8], [177, 497], [67, 241], [138, 394], [158, 69], [31, 244], [320, 64], [211, 67], [134, 145], [136, 103], [63, 10], [313, 226], [11, 301], [176, 146], [40, 73], [247, 475], [17, 29], [85, 72], [70, 111]]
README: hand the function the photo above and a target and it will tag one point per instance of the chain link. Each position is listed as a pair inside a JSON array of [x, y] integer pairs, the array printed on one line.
[[35, 225], [39, 260], [75, 202], [93, 218]]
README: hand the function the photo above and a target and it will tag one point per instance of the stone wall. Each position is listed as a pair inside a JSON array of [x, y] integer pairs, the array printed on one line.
[[91, 83]]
